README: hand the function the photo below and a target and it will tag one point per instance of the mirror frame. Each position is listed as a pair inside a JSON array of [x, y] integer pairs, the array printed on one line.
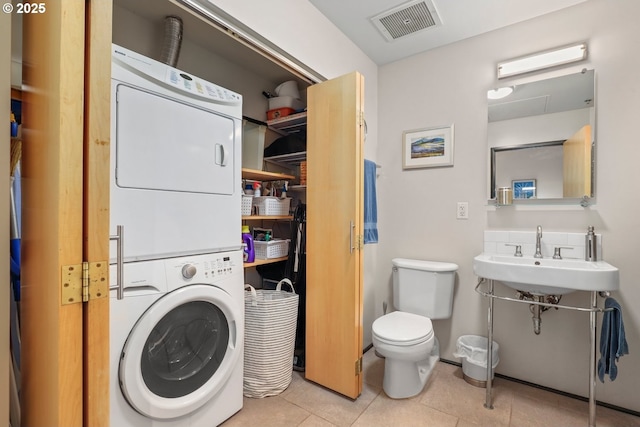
[[496, 150]]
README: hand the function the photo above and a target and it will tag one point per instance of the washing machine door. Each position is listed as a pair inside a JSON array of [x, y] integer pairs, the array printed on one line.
[[181, 351]]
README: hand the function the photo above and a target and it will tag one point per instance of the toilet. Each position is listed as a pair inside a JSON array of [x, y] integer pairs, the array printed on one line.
[[422, 291]]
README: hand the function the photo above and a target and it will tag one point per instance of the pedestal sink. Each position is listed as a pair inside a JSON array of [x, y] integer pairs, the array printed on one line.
[[547, 276]]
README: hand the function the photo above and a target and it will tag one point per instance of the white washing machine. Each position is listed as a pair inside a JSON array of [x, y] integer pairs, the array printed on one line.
[[175, 160], [177, 341]]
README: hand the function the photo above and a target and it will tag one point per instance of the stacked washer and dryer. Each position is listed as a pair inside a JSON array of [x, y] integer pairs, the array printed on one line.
[[177, 317]]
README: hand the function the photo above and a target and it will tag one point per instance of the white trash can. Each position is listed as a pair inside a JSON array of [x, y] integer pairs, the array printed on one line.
[[473, 351]]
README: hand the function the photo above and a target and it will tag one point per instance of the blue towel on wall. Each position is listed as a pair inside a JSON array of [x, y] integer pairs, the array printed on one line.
[[613, 342], [370, 203]]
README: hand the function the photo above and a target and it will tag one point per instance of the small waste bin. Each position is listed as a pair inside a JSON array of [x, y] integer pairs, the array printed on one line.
[[473, 351]]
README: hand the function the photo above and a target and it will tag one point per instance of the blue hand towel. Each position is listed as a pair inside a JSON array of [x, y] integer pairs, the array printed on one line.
[[613, 342], [370, 203]]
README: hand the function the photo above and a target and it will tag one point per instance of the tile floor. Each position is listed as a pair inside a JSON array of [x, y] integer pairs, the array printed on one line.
[[447, 400]]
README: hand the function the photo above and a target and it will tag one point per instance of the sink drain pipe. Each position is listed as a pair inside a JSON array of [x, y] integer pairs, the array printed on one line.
[[542, 304]]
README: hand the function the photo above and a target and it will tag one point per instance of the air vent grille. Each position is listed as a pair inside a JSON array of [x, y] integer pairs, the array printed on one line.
[[408, 18]]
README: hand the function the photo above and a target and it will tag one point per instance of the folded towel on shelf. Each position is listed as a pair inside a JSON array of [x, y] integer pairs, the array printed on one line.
[[370, 203], [613, 342]]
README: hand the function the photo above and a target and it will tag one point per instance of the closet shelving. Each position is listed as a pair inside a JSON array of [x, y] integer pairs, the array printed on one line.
[[291, 124], [257, 175], [295, 124]]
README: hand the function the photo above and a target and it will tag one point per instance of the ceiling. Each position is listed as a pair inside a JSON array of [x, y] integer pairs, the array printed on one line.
[[461, 19]]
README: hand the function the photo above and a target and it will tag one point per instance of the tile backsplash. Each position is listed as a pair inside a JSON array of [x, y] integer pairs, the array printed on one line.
[[495, 242]]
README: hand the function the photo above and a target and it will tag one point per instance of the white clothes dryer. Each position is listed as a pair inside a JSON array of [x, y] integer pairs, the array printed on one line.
[[177, 341], [176, 158]]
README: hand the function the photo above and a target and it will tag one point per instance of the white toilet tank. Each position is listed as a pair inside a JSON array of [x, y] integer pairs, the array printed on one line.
[[423, 287]]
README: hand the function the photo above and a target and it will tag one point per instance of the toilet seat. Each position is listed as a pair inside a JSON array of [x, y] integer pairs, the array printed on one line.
[[402, 329]]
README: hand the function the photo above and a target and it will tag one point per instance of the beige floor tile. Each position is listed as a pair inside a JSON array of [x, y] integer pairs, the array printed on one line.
[[385, 412], [268, 412], [448, 367], [449, 393], [329, 405], [315, 421], [296, 379], [525, 392], [535, 413], [606, 417], [372, 368], [465, 423], [447, 400]]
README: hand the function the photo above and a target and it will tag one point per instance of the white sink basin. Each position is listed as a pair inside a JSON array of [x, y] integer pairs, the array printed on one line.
[[547, 276]]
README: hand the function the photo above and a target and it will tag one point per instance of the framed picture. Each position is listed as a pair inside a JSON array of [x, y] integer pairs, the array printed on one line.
[[426, 148], [524, 188]]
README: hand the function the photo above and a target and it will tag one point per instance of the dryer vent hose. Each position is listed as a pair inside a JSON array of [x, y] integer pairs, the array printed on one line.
[[172, 40]]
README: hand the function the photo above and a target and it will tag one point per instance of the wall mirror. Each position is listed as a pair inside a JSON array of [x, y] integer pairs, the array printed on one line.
[[541, 139]]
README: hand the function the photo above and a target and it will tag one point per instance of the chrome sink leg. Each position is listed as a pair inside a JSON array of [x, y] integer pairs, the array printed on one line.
[[592, 362], [489, 398]]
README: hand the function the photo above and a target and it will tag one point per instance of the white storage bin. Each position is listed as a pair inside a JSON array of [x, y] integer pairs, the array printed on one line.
[[247, 205], [271, 249], [268, 205], [252, 145], [285, 102]]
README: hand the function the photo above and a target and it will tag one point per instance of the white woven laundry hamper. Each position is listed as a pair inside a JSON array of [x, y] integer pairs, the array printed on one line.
[[269, 339]]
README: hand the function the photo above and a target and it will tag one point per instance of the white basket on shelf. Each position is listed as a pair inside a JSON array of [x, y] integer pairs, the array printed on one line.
[[268, 205], [247, 205], [271, 249]]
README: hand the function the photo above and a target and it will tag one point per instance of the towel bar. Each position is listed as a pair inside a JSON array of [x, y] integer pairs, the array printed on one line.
[[568, 307]]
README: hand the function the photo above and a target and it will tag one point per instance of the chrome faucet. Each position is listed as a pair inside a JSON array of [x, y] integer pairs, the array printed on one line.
[[538, 253]]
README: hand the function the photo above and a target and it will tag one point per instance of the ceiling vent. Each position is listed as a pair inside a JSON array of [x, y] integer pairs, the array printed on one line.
[[408, 18]]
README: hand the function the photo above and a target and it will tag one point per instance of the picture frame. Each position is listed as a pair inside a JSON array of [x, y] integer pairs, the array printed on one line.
[[524, 188], [428, 147]]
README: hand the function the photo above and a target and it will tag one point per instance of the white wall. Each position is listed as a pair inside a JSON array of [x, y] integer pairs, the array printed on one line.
[[449, 85]]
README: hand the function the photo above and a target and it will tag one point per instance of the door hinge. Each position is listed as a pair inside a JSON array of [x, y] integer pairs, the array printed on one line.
[[84, 282], [358, 366], [360, 241]]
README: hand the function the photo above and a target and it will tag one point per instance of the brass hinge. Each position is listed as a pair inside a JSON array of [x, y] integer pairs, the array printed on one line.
[[84, 282], [358, 366], [360, 241]]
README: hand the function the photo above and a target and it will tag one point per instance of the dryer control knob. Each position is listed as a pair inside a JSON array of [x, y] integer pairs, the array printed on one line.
[[188, 271]]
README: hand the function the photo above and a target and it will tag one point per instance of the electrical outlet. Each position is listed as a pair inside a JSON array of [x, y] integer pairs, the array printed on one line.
[[462, 211]]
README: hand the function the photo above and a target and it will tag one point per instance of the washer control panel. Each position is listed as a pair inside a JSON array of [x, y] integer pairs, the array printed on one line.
[[205, 268]]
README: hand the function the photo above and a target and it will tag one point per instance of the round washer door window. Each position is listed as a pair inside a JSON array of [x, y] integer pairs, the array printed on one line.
[[181, 351]]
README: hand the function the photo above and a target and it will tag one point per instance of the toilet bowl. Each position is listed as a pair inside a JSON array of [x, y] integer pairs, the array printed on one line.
[[410, 349], [422, 291]]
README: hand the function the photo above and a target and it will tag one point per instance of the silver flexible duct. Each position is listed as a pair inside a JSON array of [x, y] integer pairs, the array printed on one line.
[[172, 40]]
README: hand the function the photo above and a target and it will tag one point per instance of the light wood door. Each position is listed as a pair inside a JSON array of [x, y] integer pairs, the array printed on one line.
[[334, 299], [576, 164], [97, 128], [63, 147]]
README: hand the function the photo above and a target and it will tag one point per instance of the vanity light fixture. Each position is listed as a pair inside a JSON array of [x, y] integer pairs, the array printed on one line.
[[499, 93], [542, 60]]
